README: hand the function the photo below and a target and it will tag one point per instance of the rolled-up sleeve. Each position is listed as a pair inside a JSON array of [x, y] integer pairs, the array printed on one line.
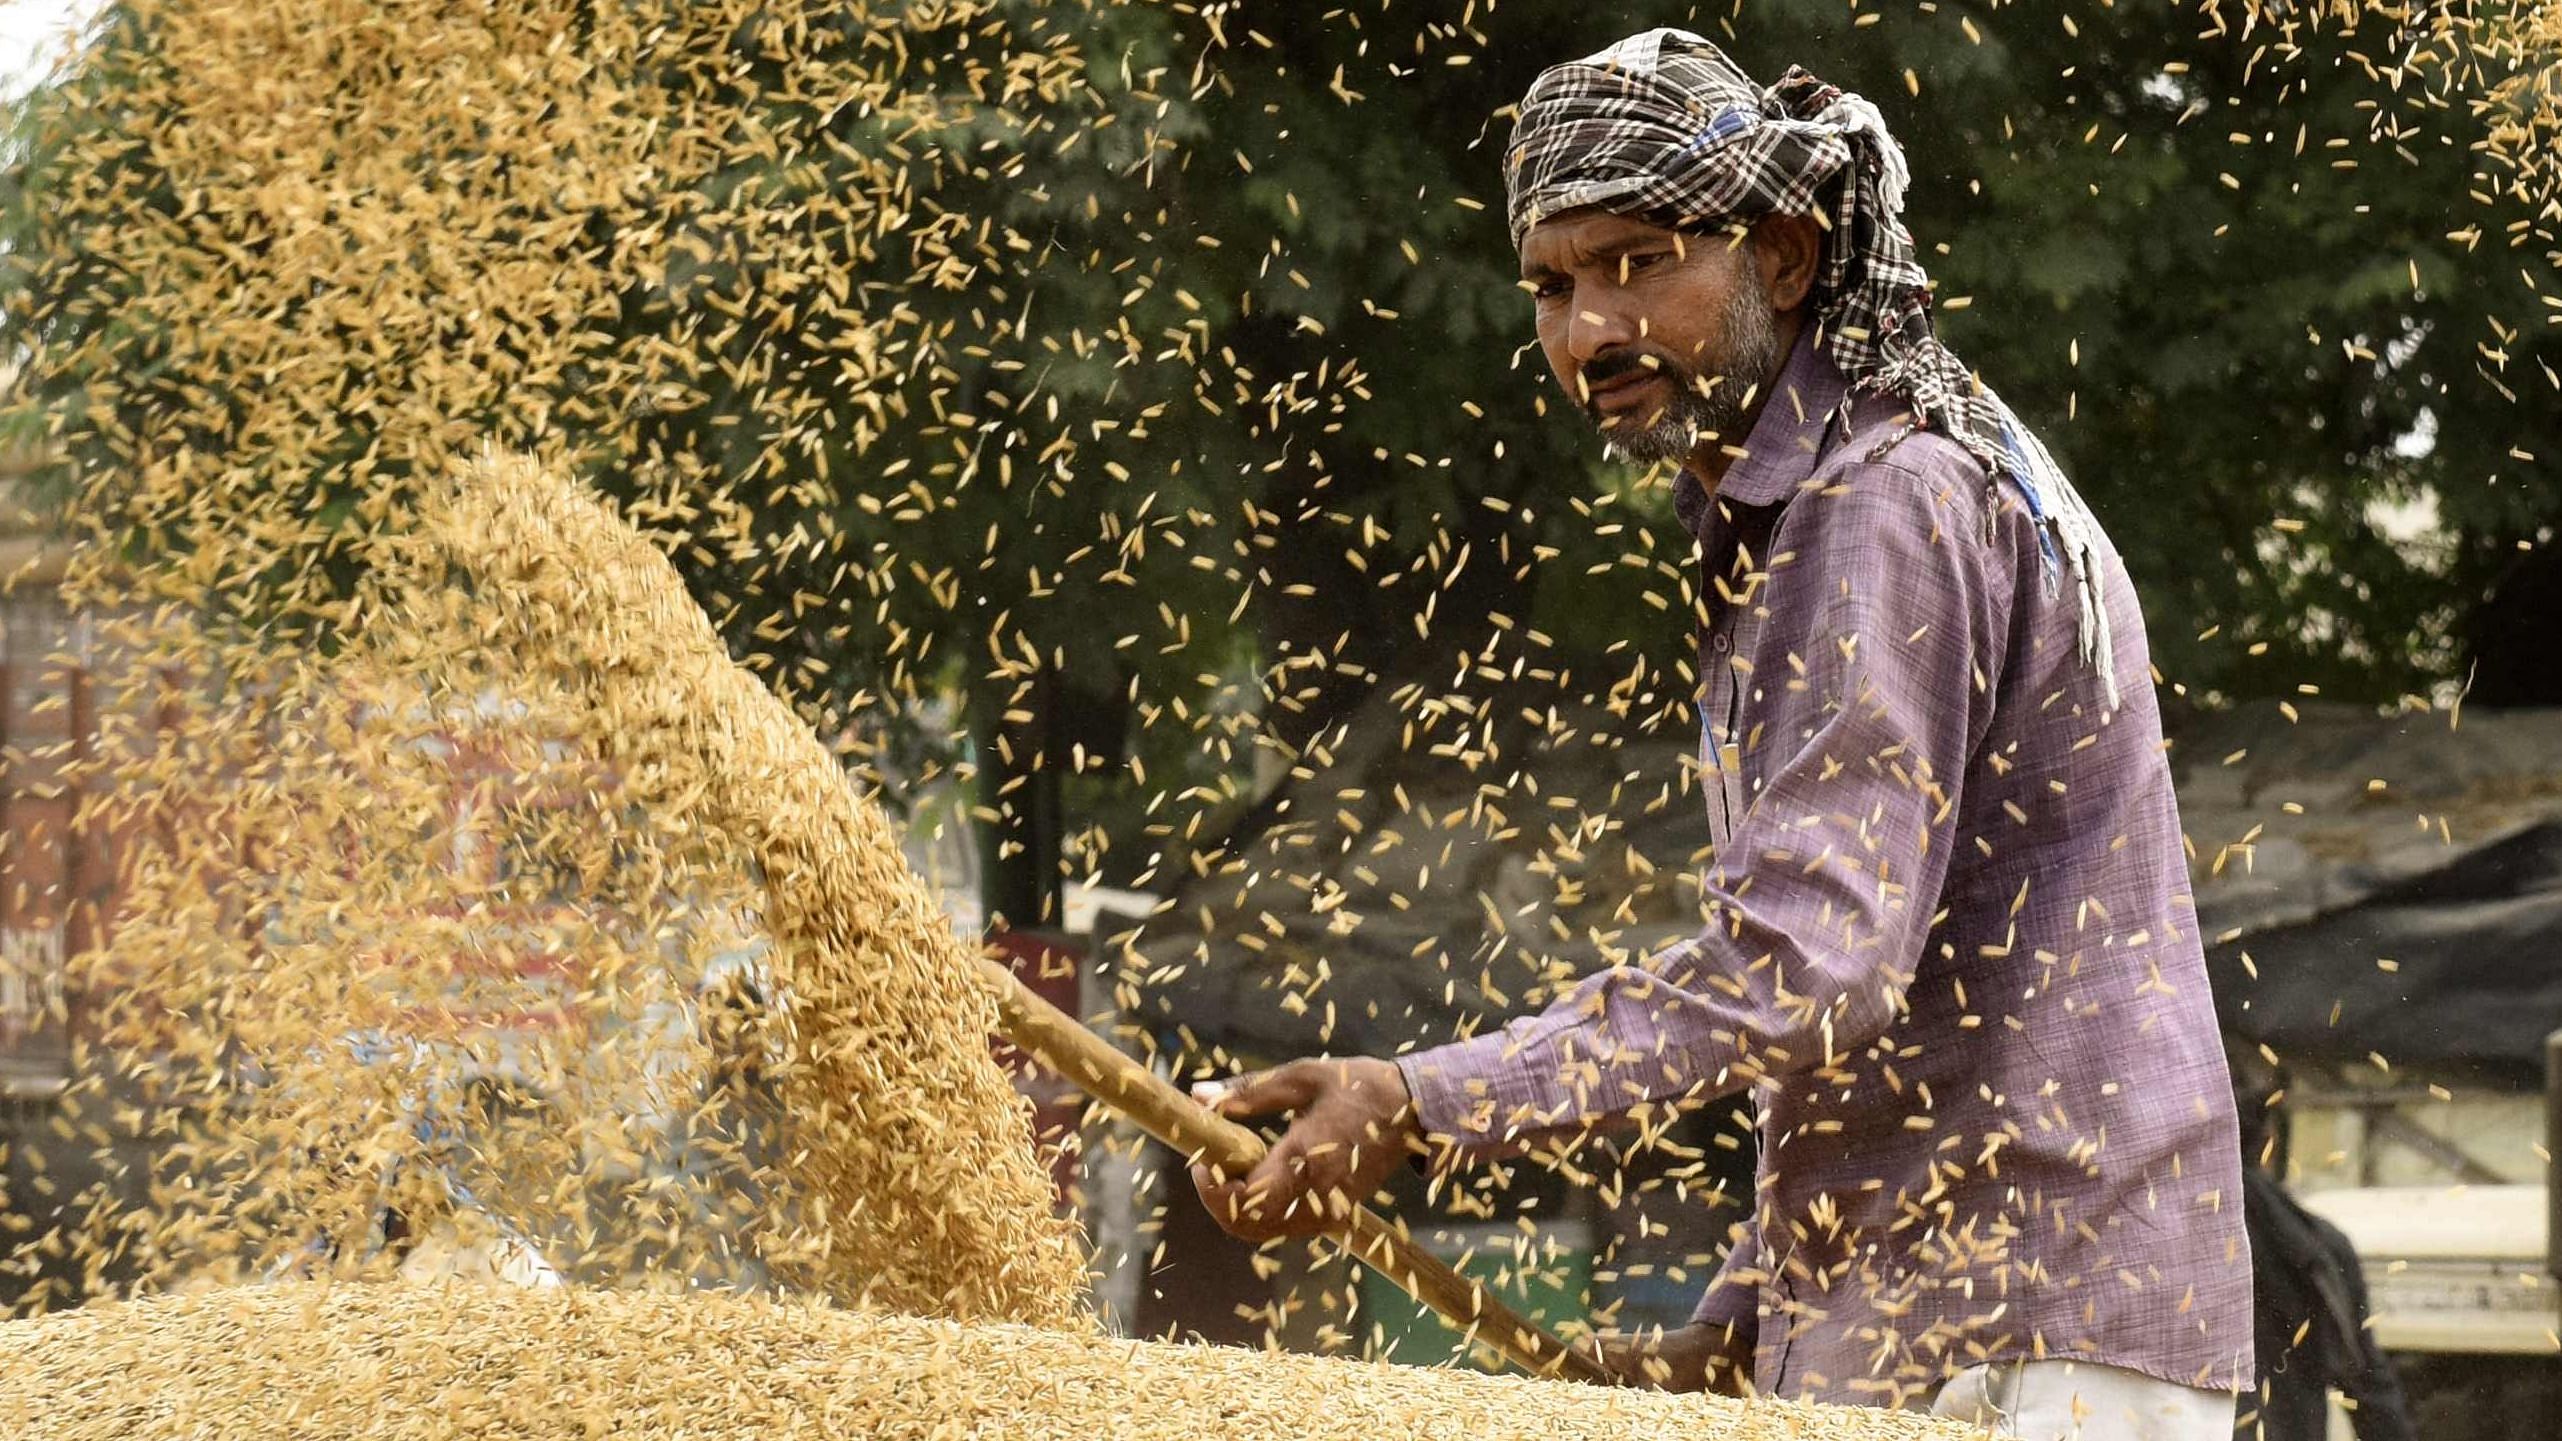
[[1867, 677]]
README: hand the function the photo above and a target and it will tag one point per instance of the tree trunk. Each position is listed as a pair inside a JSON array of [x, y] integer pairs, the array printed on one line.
[[2509, 635], [1018, 819]]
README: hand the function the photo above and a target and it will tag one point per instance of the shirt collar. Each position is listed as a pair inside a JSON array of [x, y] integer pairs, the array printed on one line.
[[1786, 439]]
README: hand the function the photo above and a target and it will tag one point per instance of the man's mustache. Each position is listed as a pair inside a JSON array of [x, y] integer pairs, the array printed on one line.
[[1607, 369]]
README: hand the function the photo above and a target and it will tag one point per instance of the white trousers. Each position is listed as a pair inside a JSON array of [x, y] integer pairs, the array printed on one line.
[[2082, 1401]]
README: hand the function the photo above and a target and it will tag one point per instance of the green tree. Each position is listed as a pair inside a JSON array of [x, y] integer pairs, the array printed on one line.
[[1151, 377], [2250, 291]]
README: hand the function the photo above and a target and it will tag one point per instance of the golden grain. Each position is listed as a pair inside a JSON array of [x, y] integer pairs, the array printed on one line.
[[430, 1364], [908, 1151]]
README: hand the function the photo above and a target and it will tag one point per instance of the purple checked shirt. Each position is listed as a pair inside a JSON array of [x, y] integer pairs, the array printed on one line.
[[1950, 949]]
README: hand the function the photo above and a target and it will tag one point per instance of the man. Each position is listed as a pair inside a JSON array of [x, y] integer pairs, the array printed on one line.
[[1949, 949]]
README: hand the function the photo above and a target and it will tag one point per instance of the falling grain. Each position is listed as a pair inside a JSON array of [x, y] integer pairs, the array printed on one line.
[[907, 1148]]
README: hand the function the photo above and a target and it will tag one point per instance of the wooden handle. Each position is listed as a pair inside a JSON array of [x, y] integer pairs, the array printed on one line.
[[1088, 1062]]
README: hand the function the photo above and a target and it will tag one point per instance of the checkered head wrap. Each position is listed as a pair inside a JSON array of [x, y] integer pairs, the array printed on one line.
[[1664, 127]]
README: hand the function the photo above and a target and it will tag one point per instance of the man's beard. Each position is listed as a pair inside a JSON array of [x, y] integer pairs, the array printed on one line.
[[1703, 403]]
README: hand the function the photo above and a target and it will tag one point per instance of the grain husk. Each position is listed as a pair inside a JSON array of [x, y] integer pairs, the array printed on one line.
[[420, 1363]]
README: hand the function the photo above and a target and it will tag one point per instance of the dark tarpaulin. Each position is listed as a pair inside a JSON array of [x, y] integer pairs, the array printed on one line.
[[2476, 976]]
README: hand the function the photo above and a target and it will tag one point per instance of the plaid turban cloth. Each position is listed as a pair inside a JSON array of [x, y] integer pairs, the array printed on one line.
[[1663, 127]]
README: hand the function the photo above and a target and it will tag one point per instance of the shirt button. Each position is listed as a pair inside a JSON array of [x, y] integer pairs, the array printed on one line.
[[1720, 644]]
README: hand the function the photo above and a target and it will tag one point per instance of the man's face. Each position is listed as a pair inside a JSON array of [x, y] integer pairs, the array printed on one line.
[[1657, 334]]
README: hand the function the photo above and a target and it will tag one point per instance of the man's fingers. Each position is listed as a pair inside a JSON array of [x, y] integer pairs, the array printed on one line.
[[1223, 1196], [1621, 1356], [1233, 1201], [1253, 1211], [1276, 1182], [1295, 1191], [1261, 1093], [1657, 1359]]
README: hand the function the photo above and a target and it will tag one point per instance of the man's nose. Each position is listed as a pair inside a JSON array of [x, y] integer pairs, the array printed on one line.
[[1596, 328]]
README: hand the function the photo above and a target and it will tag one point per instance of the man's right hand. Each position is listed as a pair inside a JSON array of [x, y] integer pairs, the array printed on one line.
[[1351, 1124], [1689, 1358]]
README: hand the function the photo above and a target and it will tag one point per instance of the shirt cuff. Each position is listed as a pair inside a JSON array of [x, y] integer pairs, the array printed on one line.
[[1453, 1088]]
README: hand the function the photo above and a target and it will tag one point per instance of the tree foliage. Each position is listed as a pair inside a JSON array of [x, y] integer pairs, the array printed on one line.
[[1152, 377]]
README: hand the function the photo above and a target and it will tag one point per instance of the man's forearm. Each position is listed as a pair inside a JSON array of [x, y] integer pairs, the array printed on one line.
[[1670, 1032]]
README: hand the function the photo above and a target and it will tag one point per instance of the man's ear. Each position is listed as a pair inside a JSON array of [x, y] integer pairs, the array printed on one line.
[[1788, 248]]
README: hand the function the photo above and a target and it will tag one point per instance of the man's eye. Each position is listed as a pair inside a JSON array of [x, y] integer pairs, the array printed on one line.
[[1551, 288], [1647, 261]]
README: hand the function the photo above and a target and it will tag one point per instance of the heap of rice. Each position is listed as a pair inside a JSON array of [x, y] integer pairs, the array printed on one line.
[[411, 1363], [903, 1152]]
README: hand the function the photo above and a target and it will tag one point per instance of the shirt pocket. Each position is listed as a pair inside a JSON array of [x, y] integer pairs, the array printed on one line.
[[1721, 775]]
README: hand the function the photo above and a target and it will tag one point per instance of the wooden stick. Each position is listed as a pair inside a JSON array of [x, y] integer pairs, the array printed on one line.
[[1096, 1067]]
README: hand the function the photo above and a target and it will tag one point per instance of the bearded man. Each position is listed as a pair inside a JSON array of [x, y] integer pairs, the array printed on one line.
[[1949, 951]]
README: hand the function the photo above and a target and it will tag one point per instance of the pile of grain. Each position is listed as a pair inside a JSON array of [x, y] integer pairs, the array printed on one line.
[[902, 1149], [403, 1363]]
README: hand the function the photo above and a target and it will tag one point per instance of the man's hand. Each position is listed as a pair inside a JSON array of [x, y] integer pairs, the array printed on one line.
[[1691, 1358], [1352, 1123]]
